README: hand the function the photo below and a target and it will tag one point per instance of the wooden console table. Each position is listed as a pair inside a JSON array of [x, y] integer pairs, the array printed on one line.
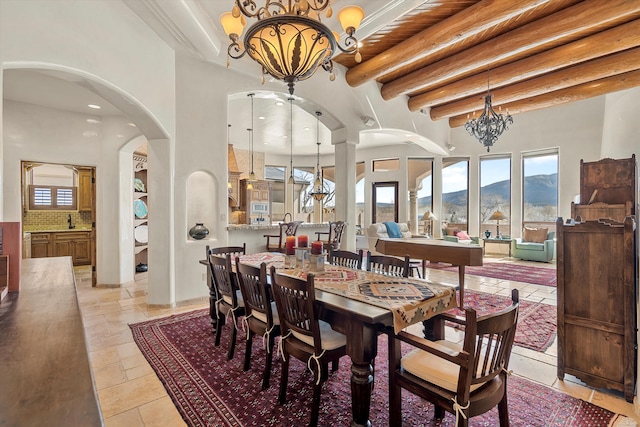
[[498, 242]]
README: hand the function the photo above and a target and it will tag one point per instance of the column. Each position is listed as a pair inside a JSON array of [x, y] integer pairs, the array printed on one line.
[[413, 211], [345, 159]]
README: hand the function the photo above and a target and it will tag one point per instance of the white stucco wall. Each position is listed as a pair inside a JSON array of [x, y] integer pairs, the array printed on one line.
[[621, 125]]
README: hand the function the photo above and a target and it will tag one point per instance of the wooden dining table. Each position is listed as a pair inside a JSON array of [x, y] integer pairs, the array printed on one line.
[[361, 304]]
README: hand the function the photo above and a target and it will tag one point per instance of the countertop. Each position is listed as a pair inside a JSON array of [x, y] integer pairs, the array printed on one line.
[[232, 227], [55, 230]]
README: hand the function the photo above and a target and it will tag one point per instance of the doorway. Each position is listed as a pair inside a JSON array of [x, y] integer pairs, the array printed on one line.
[[59, 212], [385, 201]]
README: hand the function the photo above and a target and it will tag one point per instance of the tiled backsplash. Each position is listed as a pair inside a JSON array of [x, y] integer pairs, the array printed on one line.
[[52, 220]]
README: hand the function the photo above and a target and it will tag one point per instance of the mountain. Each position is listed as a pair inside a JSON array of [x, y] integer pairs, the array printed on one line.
[[541, 190]]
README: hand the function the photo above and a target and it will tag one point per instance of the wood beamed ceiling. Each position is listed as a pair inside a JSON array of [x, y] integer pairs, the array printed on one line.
[[534, 54]]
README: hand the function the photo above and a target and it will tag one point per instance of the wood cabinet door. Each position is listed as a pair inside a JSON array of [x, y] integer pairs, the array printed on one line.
[[63, 248], [39, 249], [85, 190], [82, 252]]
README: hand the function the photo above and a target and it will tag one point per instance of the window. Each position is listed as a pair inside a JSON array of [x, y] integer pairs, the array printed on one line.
[[385, 201], [495, 194], [276, 174], [305, 179], [385, 165], [46, 197], [420, 180], [455, 194], [360, 174], [540, 187]]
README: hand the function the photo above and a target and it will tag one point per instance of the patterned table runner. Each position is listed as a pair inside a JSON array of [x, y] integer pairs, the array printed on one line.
[[410, 300]]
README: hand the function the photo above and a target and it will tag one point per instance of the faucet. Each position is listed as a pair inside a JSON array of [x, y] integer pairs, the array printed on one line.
[[70, 222], [285, 217]]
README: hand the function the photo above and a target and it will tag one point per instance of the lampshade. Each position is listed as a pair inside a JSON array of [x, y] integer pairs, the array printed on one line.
[[350, 18], [428, 216], [497, 216], [231, 25]]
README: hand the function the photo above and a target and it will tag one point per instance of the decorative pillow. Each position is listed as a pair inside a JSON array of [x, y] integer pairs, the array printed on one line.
[[451, 231], [462, 235], [393, 229], [535, 235]]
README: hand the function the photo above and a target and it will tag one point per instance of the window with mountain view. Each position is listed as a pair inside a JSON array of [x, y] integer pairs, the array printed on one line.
[[495, 194], [455, 192], [540, 189], [419, 179]]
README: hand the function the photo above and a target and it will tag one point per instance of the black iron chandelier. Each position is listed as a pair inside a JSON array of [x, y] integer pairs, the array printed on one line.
[[490, 125], [319, 192], [288, 39]]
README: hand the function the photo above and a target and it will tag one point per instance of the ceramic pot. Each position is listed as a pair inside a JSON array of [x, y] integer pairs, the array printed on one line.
[[487, 234], [198, 231]]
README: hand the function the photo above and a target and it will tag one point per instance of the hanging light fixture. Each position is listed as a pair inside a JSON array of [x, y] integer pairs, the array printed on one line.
[[291, 179], [288, 39], [490, 125], [319, 192], [252, 176]]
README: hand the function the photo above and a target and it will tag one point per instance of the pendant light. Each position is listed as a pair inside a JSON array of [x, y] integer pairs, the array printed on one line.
[[291, 179], [319, 192], [252, 175]]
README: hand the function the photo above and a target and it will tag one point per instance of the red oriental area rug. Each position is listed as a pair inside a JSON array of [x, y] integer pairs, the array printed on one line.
[[536, 328], [210, 390], [507, 271]]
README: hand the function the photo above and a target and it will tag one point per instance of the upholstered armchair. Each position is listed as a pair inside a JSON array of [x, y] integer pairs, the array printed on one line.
[[534, 246]]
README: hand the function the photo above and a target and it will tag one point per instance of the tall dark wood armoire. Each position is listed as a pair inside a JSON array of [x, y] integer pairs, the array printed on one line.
[[597, 267]]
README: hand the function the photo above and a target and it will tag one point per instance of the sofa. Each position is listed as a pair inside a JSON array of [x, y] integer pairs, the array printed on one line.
[[536, 244], [379, 231], [453, 234]]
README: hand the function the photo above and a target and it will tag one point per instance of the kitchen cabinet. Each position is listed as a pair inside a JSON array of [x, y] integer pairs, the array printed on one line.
[[76, 244], [256, 201], [85, 190], [41, 245]]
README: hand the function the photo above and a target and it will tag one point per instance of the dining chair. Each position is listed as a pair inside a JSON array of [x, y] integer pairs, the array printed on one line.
[[304, 336], [286, 229], [234, 251], [388, 265], [229, 302], [346, 258], [465, 379], [333, 236], [261, 316]]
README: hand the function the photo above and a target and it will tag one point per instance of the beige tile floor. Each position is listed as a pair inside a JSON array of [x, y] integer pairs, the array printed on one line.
[[131, 395]]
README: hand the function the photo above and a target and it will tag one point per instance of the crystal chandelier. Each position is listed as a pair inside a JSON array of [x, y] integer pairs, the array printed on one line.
[[319, 192], [490, 125], [288, 39]]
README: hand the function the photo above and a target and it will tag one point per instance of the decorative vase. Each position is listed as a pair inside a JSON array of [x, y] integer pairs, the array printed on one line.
[[487, 234], [198, 231]]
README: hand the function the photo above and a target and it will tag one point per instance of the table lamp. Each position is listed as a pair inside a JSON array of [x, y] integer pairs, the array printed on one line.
[[430, 217], [497, 216]]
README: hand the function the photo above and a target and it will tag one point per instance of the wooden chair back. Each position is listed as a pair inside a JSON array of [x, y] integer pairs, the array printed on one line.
[[296, 304], [388, 265], [223, 279], [255, 291], [336, 229], [286, 229], [346, 258], [234, 251]]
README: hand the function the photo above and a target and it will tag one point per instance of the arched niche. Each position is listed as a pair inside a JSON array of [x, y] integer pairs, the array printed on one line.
[[201, 202]]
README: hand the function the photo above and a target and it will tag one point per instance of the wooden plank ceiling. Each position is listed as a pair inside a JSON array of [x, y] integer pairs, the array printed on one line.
[[534, 53]]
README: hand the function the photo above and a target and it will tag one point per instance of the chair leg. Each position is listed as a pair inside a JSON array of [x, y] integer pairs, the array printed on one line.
[[284, 379], [438, 412], [232, 344], [247, 353], [334, 365], [315, 406], [503, 410], [266, 376], [219, 324]]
